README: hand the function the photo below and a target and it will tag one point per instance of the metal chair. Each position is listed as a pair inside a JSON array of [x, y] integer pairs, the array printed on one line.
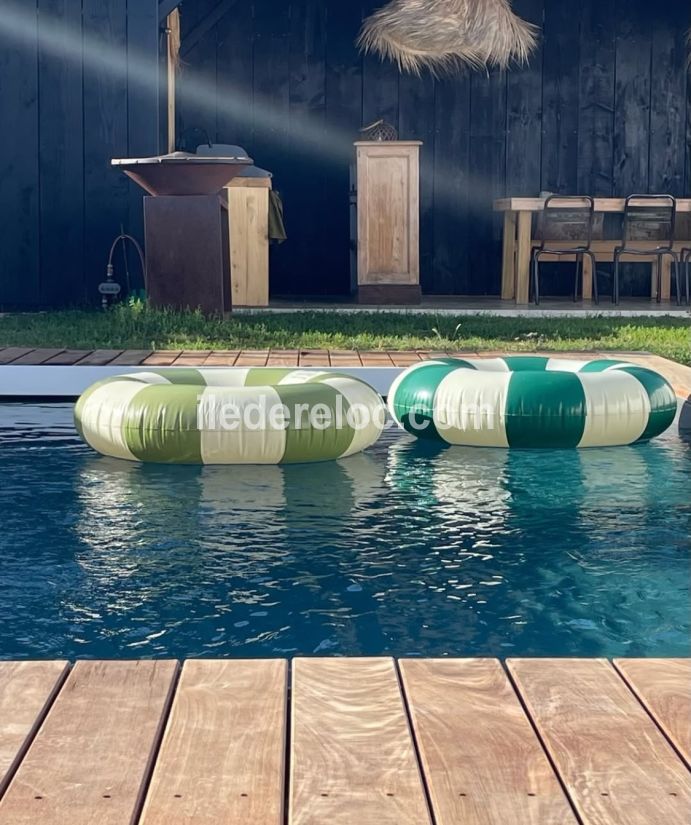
[[648, 218], [686, 260], [571, 218]]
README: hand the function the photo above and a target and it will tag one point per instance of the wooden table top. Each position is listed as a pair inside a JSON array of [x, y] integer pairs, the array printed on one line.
[[372, 741], [249, 183], [601, 204]]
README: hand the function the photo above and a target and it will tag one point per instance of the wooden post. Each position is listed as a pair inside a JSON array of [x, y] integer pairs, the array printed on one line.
[[508, 265], [525, 224], [587, 278], [666, 290], [173, 42], [388, 221], [653, 280]]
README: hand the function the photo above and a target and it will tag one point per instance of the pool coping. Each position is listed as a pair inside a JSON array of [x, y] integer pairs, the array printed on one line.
[[378, 367]]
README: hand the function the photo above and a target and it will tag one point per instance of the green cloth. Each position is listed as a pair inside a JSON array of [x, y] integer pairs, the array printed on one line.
[[277, 230]]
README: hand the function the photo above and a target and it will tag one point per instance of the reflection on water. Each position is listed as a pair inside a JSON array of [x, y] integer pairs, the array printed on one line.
[[410, 548]]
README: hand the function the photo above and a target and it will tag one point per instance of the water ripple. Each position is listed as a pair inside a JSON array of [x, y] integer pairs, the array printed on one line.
[[408, 549]]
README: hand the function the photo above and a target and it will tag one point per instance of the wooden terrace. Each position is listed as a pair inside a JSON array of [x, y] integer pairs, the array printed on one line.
[[343, 740], [27, 357], [678, 375]]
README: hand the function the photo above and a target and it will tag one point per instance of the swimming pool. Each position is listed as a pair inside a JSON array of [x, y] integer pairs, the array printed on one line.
[[406, 549]]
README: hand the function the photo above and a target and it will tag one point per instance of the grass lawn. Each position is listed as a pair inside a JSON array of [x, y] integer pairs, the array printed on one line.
[[137, 327]]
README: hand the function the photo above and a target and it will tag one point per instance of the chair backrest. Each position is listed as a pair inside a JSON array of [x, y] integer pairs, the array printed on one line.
[[650, 218], [567, 218]]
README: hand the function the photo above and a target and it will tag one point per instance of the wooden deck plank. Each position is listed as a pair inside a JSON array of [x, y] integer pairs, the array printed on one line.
[[427, 355], [36, 357], [99, 358], [283, 358], [314, 358], [252, 358], [481, 353], [90, 759], [402, 358], [131, 358], [352, 756], [26, 690], [223, 752], [480, 756], [615, 764], [68, 357], [192, 358], [222, 358], [9, 355], [664, 687], [162, 358], [375, 358], [345, 358]]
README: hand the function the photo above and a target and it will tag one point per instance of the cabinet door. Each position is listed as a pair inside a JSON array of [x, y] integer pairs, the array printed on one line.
[[388, 213]]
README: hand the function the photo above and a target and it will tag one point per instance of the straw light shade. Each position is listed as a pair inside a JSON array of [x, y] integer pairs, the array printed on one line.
[[446, 35]]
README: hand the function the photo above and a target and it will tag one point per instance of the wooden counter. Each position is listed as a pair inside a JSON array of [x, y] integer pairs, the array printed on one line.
[[248, 218]]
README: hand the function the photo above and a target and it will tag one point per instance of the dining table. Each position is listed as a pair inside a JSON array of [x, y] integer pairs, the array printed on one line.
[[519, 240]]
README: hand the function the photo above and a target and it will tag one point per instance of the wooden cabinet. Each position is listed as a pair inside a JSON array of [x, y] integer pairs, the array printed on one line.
[[248, 217], [388, 221]]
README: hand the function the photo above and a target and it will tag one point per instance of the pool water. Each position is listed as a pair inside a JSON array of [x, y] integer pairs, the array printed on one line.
[[407, 549]]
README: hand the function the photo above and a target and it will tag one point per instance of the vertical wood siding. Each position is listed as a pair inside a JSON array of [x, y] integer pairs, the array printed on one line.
[[78, 86], [603, 108], [20, 167]]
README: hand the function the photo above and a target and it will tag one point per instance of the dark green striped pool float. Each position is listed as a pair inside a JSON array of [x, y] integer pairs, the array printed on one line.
[[187, 416], [530, 401]]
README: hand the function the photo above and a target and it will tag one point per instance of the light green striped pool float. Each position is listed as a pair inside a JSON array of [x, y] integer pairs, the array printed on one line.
[[530, 401], [230, 416]]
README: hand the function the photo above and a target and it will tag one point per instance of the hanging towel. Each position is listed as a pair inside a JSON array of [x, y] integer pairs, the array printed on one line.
[[277, 230]]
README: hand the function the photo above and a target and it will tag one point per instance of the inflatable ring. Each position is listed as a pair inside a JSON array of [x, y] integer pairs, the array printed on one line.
[[230, 416], [530, 401]]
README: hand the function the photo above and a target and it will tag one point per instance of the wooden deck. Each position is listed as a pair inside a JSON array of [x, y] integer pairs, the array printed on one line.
[[341, 741], [16, 356], [677, 374], [19, 356]]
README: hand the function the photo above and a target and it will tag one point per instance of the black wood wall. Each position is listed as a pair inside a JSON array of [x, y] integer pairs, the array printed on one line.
[[603, 108], [78, 86]]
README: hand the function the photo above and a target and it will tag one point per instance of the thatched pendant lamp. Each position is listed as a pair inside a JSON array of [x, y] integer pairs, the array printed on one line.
[[445, 35]]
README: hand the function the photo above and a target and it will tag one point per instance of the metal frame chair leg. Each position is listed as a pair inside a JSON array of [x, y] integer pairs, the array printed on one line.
[[658, 291], [579, 272]]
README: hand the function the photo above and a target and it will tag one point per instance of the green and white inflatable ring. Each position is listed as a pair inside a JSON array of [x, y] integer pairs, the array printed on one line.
[[230, 416], [530, 401]]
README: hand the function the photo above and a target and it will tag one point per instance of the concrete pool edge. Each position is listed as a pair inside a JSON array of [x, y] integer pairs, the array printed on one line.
[[70, 382], [58, 381]]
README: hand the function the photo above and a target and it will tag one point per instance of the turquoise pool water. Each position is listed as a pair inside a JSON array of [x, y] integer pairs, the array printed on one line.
[[407, 549]]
